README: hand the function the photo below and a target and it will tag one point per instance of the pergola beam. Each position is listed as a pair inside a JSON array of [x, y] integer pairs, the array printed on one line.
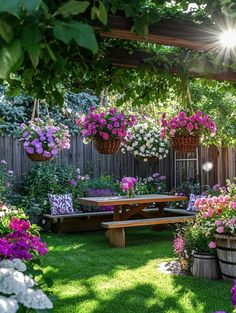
[[169, 32], [120, 57]]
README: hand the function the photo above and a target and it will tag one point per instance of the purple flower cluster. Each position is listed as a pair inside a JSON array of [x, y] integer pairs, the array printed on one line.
[[106, 125], [43, 138], [102, 193], [20, 243], [183, 125]]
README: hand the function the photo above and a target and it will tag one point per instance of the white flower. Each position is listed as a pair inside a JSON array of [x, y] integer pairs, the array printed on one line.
[[8, 305], [19, 265], [145, 159], [14, 282], [35, 299]]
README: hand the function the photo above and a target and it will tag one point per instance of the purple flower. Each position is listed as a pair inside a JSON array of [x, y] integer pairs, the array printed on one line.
[[73, 182], [3, 162]]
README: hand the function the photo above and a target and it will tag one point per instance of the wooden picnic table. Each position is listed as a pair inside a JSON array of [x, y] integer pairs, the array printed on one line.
[[125, 208]]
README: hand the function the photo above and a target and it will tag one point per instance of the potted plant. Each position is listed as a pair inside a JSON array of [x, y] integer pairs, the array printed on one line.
[[218, 215], [106, 128], [145, 142], [43, 139], [196, 251], [185, 132]]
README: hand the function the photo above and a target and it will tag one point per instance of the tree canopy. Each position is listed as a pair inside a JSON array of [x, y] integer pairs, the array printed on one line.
[[48, 46]]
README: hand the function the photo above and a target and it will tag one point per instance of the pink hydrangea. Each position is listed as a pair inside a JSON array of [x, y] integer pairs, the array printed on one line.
[[179, 244], [212, 245]]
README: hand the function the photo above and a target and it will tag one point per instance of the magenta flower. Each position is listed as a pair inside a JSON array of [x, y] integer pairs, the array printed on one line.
[[212, 245], [220, 230]]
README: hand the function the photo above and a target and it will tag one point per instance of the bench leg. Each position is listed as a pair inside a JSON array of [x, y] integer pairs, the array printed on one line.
[[116, 237]]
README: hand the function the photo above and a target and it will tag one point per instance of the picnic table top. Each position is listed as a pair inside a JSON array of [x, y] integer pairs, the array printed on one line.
[[122, 200]]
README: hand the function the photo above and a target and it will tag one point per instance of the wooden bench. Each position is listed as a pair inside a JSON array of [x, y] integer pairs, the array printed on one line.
[[115, 230]]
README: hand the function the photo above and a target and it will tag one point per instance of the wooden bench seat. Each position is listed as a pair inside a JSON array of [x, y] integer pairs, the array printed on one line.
[[115, 230]]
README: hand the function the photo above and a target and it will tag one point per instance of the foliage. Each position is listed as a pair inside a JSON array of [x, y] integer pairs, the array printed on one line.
[[44, 137], [153, 184], [6, 182], [144, 140], [51, 45], [18, 109], [105, 124]]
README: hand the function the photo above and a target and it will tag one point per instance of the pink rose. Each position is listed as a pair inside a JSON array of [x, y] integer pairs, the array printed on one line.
[[220, 229], [212, 245]]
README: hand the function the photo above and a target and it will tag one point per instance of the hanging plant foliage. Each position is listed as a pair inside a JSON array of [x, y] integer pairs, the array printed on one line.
[[145, 142]]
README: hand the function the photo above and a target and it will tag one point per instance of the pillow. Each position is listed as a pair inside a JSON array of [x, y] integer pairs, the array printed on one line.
[[191, 207], [61, 204]]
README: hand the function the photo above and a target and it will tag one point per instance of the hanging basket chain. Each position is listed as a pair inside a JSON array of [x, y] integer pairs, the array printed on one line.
[[36, 112]]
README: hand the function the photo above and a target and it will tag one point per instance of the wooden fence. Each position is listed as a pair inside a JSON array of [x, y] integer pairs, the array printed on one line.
[[223, 161]]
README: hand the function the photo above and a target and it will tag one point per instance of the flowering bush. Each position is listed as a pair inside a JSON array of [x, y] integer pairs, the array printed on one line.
[[182, 125], [145, 141], [19, 292], [19, 239], [44, 137], [154, 183], [106, 125], [217, 214], [101, 193]]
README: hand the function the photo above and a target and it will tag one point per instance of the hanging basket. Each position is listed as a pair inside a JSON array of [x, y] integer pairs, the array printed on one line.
[[183, 144], [35, 157], [146, 159], [110, 146]]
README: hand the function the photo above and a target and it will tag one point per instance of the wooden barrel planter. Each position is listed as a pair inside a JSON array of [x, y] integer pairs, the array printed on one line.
[[226, 251], [206, 265], [184, 144], [110, 146]]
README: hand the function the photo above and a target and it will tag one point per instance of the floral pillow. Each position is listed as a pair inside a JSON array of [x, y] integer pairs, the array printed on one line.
[[191, 207], [61, 204]]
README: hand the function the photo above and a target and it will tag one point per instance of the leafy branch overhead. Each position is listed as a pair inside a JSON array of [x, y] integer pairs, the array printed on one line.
[[51, 46]]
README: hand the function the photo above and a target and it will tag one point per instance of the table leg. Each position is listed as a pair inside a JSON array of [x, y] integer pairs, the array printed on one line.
[[116, 216]]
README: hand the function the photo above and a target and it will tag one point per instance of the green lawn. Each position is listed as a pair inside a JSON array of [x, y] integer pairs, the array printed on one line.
[[92, 277]]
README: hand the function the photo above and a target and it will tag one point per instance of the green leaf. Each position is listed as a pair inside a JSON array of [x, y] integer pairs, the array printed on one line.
[[83, 34], [5, 31], [51, 53], [31, 5], [94, 12], [12, 6], [72, 8], [102, 13], [30, 36], [34, 53], [11, 57]]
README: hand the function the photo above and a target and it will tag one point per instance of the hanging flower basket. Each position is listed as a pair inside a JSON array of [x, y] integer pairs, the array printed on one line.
[[184, 132], [184, 144], [107, 129], [35, 157], [110, 146], [144, 141], [43, 139]]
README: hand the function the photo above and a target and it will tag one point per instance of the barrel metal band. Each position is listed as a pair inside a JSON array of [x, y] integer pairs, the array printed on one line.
[[227, 262], [225, 248], [210, 258], [228, 276]]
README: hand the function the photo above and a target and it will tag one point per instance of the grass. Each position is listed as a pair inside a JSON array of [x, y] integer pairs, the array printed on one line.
[[92, 277]]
